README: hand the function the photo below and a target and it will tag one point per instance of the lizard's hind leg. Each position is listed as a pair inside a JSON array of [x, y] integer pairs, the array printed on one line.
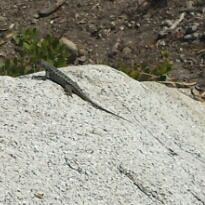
[[68, 90]]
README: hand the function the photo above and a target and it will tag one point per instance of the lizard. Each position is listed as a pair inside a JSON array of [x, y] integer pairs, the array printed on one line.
[[69, 85]]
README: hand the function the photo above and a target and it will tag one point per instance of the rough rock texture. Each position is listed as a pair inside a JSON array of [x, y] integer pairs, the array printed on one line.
[[60, 150]]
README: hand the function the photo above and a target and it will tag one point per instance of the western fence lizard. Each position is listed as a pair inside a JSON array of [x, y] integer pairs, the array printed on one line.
[[69, 85]]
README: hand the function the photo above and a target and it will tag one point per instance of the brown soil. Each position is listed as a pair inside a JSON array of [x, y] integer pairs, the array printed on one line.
[[115, 32]]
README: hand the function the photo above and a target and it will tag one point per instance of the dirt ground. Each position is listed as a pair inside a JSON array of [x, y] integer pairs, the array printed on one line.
[[116, 32]]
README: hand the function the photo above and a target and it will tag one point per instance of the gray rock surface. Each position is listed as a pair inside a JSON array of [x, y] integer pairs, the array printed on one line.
[[56, 149]]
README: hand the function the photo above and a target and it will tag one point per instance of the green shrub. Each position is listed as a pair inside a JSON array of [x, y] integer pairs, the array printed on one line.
[[145, 72], [30, 49]]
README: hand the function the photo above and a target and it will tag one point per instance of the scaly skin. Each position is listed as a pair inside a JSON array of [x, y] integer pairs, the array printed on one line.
[[69, 85]]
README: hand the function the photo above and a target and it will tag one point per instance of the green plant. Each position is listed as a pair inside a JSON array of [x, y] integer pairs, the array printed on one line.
[[30, 49], [159, 71], [12, 67]]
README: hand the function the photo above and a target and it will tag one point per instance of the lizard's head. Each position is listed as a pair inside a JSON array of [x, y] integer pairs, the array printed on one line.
[[43, 64]]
